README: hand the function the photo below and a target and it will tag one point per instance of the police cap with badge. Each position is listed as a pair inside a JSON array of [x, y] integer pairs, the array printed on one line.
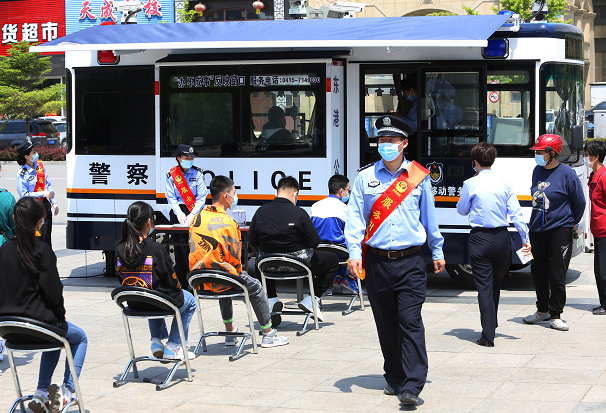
[[186, 150], [25, 148], [392, 126]]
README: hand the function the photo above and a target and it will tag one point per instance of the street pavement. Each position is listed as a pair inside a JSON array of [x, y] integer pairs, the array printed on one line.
[[338, 368]]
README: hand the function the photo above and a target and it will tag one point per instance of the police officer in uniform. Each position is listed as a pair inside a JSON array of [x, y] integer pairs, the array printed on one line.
[[32, 180], [391, 215], [186, 194]]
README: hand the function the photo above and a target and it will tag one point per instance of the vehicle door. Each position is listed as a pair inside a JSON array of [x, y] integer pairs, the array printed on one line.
[[6, 134]]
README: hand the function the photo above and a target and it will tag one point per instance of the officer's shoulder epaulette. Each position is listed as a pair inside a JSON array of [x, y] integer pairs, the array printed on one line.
[[365, 167], [197, 169], [23, 171]]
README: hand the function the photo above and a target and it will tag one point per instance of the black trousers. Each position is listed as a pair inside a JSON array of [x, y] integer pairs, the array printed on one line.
[[47, 228], [552, 251], [396, 290], [181, 252], [489, 255], [324, 266], [599, 268]]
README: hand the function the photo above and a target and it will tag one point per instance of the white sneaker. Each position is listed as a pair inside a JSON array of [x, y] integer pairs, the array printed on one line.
[[275, 305], [39, 403], [175, 352], [307, 306], [58, 397], [558, 324], [231, 341], [272, 339], [537, 318]]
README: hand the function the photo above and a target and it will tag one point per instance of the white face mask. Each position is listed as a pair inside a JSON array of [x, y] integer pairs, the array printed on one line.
[[587, 162]]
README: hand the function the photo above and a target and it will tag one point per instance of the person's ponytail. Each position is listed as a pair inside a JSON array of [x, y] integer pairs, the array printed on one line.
[[28, 211], [138, 215]]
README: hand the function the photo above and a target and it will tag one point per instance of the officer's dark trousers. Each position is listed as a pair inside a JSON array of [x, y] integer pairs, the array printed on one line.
[[599, 268], [552, 251], [396, 290], [181, 252], [47, 228], [489, 255]]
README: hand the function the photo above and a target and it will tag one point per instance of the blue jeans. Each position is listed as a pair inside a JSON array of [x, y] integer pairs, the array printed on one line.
[[78, 342], [157, 327]]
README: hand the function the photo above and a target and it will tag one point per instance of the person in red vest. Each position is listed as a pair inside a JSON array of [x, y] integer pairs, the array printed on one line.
[[32, 180], [390, 215], [186, 195]]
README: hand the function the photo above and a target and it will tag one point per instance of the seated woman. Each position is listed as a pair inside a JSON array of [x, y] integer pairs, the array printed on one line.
[[144, 263], [30, 287]]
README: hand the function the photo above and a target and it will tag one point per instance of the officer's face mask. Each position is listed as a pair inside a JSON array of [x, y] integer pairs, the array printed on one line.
[[540, 160], [232, 205], [187, 164], [389, 151], [410, 96], [35, 157]]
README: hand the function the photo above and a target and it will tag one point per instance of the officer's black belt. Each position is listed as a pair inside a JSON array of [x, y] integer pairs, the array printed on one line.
[[392, 255]]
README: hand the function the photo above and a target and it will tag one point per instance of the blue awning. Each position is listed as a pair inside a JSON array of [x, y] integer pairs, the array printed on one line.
[[427, 31]]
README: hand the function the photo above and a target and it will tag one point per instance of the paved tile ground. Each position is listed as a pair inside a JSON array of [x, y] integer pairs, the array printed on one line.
[[339, 367]]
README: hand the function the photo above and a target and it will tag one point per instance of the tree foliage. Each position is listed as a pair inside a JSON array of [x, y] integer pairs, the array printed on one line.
[[468, 10], [187, 15], [524, 8], [21, 93]]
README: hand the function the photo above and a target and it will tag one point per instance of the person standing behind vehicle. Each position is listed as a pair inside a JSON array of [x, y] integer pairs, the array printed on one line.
[[30, 287], [32, 180], [488, 199], [558, 205], [328, 216], [389, 218], [186, 194], [594, 158]]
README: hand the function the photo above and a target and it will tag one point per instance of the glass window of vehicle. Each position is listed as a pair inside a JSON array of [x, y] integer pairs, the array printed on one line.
[[19, 126], [562, 87], [46, 127], [232, 111], [61, 127], [510, 121], [6, 127], [115, 111]]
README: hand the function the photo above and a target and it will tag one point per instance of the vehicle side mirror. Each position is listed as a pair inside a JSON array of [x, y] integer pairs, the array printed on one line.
[[577, 138]]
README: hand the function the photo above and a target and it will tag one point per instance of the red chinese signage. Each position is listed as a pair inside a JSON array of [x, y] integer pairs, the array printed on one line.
[[31, 21]]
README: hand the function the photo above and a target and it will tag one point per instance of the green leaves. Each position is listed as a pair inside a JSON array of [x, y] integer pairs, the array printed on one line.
[[524, 8]]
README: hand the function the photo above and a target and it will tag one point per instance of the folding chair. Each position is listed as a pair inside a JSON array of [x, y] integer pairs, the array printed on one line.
[[25, 335], [198, 277], [341, 251], [300, 271], [158, 305]]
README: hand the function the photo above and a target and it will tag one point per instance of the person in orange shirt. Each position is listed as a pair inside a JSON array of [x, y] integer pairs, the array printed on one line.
[[215, 242]]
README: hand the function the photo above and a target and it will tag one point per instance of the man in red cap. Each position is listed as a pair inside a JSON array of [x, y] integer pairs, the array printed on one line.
[[558, 205]]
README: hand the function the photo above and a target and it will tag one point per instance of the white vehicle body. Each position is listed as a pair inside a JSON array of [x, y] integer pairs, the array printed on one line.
[[332, 78]]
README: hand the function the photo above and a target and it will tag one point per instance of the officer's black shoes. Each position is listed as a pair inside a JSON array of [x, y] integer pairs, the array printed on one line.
[[406, 397], [391, 390], [483, 342]]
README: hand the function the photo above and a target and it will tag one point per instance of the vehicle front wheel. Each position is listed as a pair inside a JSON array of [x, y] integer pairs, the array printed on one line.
[[462, 274]]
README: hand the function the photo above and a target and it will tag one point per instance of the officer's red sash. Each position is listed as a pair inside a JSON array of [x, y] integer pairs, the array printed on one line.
[[40, 178], [391, 198], [181, 184]]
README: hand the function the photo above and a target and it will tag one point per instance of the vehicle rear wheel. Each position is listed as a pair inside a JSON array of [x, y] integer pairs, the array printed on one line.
[[462, 274]]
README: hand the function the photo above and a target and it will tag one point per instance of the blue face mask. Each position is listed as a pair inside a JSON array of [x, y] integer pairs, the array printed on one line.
[[410, 97], [235, 203], [540, 160], [187, 164], [151, 230], [345, 199], [473, 166], [389, 151], [35, 157]]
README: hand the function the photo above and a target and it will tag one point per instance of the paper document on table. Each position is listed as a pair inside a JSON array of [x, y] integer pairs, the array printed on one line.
[[524, 257]]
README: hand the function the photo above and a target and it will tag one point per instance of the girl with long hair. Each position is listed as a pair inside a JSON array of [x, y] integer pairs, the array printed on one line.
[[145, 263], [30, 287]]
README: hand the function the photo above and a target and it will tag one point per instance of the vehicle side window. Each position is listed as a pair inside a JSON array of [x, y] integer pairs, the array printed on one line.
[[8, 127], [19, 126]]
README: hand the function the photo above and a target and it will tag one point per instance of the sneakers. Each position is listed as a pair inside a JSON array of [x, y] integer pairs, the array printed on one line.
[[275, 306], [558, 324], [537, 318], [1, 349], [231, 341], [58, 397], [350, 286], [272, 339], [175, 352], [336, 285], [157, 348], [307, 306], [596, 311], [40, 403]]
